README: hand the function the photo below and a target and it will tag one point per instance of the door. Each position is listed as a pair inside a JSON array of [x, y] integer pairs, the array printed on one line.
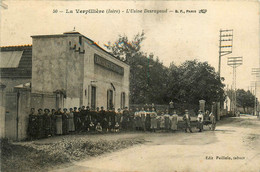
[[122, 100], [109, 99], [93, 97], [11, 116]]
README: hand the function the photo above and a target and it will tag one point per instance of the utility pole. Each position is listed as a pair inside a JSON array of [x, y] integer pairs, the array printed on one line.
[[225, 45], [234, 62], [256, 72]]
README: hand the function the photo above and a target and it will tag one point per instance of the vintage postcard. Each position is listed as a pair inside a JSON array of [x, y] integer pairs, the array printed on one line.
[[137, 86]]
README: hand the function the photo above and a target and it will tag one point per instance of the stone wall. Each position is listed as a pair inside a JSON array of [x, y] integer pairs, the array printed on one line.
[[56, 67]]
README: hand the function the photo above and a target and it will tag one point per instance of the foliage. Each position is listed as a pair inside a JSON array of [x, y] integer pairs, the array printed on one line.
[[245, 99], [151, 82], [193, 81]]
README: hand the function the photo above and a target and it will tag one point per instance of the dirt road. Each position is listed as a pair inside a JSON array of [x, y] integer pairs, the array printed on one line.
[[234, 146]]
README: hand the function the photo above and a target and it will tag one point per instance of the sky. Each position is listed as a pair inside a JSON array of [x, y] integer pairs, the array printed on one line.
[[173, 37]]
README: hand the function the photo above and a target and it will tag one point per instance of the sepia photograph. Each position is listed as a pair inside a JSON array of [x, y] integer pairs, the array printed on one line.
[[129, 86]]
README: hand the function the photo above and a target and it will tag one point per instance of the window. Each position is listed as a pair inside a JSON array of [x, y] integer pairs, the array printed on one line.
[[110, 99], [93, 97], [80, 40], [122, 100]]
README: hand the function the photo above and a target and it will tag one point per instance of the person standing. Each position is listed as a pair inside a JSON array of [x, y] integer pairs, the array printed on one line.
[[137, 119], [53, 122], [167, 120], [32, 125], [148, 120], [58, 117], [125, 119], [200, 121], [47, 123], [143, 116], [87, 118], [174, 121], [83, 114], [113, 119], [153, 120], [162, 122], [40, 133], [213, 121], [158, 120], [131, 122], [119, 117], [65, 122], [186, 118], [71, 120]]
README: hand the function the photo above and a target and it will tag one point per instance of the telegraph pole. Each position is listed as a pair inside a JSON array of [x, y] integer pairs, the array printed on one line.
[[225, 45], [234, 62], [256, 72]]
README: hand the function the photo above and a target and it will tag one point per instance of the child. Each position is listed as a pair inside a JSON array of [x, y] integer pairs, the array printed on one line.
[[117, 127], [98, 128], [91, 127]]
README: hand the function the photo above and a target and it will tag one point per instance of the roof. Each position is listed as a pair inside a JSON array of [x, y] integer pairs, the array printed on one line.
[[17, 61], [10, 59], [74, 33], [15, 47]]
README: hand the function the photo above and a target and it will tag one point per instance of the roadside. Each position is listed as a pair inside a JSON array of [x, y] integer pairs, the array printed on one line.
[[232, 147], [66, 151], [45, 154]]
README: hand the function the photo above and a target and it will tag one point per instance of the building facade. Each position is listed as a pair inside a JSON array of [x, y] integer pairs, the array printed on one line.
[[57, 71], [81, 71]]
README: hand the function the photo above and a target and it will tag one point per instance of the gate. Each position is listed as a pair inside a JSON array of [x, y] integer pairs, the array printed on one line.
[[11, 115]]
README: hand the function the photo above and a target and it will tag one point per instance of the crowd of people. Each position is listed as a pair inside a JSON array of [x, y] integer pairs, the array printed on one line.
[[46, 123]]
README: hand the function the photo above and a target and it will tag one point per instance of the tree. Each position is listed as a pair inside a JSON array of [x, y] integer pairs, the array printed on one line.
[[152, 82], [147, 76], [193, 81], [245, 99]]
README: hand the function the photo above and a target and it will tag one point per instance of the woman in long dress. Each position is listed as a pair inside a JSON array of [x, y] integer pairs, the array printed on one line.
[[167, 121], [58, 117], [142, 113], [174, 121], [138, 123], [71, 121], [162, 122], [148, 120], [153, 120]]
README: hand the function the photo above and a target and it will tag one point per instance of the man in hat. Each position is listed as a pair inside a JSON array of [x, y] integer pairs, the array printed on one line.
[[186, 118]]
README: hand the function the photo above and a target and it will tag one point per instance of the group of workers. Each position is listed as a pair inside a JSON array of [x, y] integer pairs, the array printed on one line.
[[48, 123]]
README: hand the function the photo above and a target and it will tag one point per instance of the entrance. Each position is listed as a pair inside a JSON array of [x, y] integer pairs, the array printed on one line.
[[93, 97], [109, 99]]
